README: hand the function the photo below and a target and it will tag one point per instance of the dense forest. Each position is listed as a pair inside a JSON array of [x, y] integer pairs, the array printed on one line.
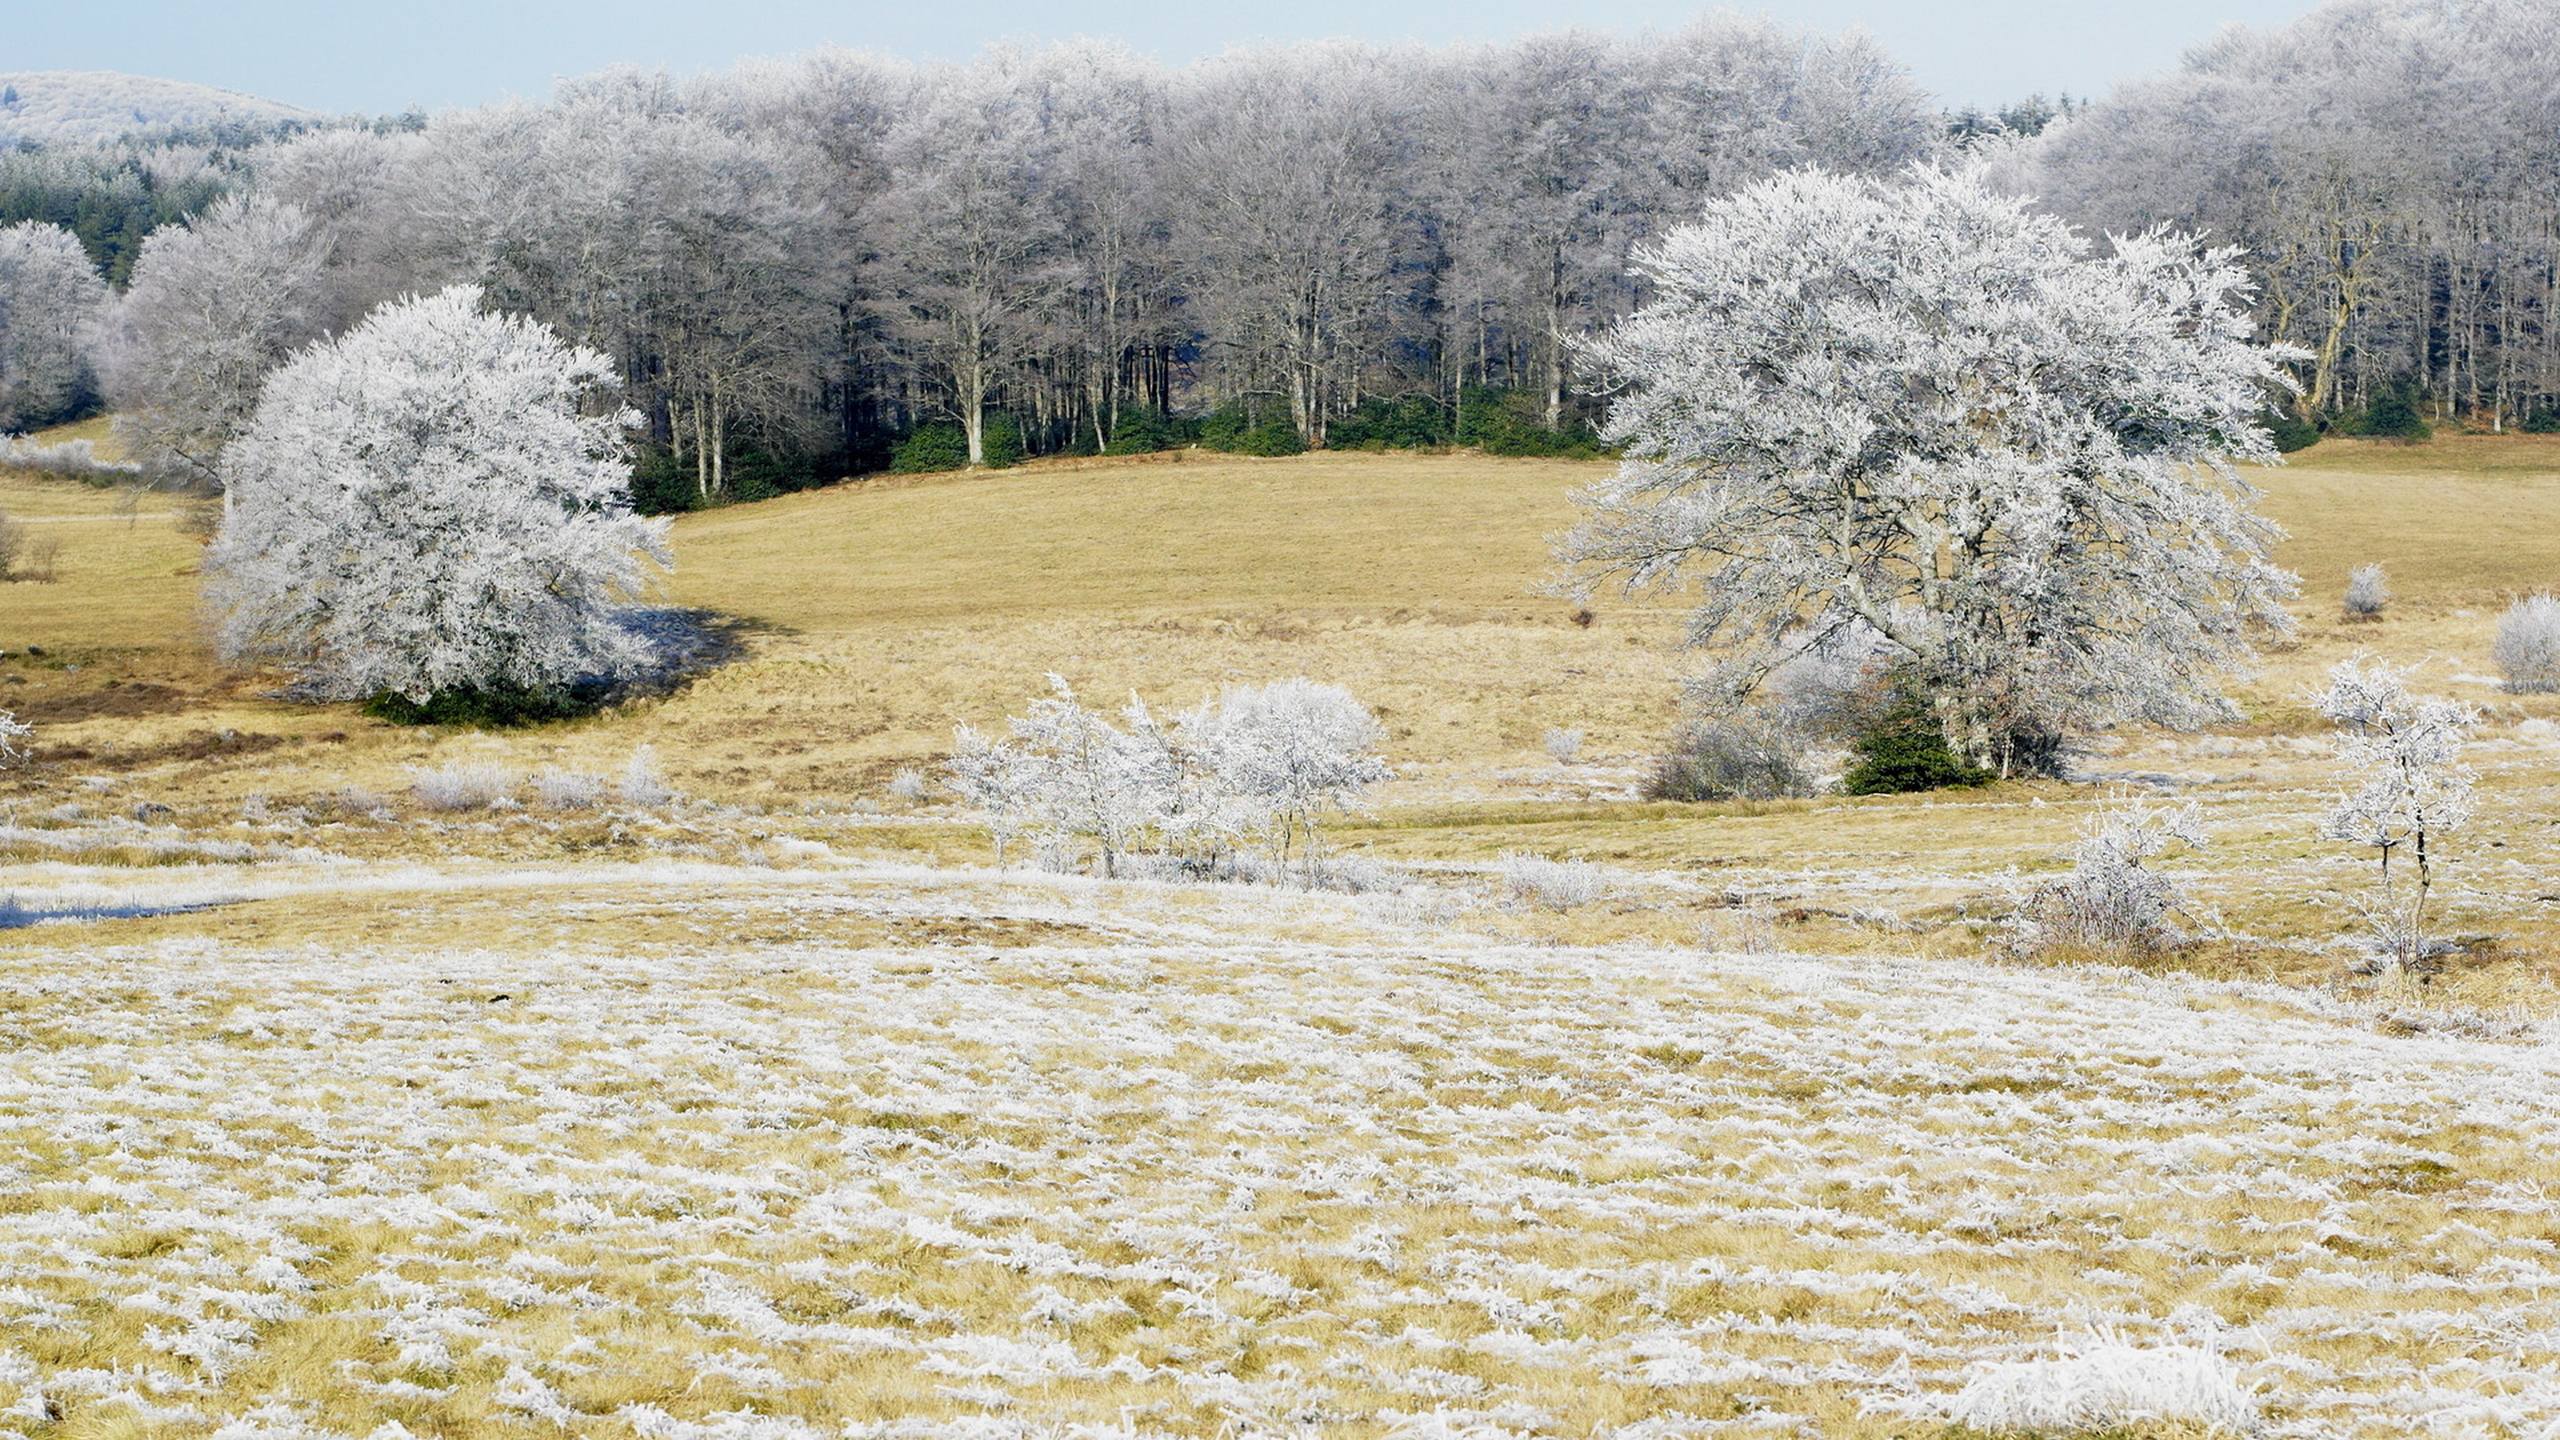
[[821, 265]]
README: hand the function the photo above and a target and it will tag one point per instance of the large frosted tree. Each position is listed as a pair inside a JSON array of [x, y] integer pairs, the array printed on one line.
[[1913, 412], [50, 296], [435, 503], [215, 304]]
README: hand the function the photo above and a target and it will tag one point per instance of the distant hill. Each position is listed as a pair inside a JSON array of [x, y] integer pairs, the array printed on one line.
[[54, 107]]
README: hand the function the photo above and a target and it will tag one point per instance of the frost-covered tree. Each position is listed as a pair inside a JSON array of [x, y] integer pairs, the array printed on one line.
[[435, 503], [1271, 760], [970, 240], [1295, 750], [214, 306], [998, 781], [2404, 757], [1917, 408], [2391, 168], [1285, 172], [50, 296], [1089, 780]]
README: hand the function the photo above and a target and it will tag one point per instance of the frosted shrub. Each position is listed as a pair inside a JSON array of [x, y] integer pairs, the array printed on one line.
[[461, 786], [14, 733], [1286, 755], [1564, 746], [1262, 761], [1550, 884], [2367, 593], [908, 784], [2527, 650], [69, 459], [1754, 753], [2112, 902], [998, 782], [2105, 1386], [641, 786], [567, 790], [2412, 789]]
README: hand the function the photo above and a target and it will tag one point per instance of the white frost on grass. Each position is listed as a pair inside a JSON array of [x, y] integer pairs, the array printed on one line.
[[2106, 1384], [1088, 1155]]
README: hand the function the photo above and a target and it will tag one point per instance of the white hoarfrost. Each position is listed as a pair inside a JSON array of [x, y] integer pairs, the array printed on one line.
[[2106, 1385], [437, 501], [2527, 645], [14, 734], [1548, 883], [2113, 901], [2368, 591], [50, 297], [2412, 788], [1922, 410], [810, 1157], [1268, 762], [215, 305]]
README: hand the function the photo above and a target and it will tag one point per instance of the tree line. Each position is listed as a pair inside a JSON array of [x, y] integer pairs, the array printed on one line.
[[798, 265], [794, 263], [2391, 171]]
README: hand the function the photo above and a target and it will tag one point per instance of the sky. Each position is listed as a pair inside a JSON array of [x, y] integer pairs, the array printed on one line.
[[370, 56]]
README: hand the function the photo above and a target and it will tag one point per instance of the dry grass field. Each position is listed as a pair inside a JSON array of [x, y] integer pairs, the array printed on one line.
[[772, 1112]]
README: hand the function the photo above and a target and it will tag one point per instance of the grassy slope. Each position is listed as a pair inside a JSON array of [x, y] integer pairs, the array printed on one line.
[[891, 609]]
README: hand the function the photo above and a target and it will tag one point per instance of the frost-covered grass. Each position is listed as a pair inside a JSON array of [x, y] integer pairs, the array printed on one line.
[[462, 785], [1550, 883], [1230, 1161], [615, 1121]]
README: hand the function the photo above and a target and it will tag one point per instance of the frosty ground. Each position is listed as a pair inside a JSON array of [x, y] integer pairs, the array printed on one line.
[[772, 1109], [867, 1149]]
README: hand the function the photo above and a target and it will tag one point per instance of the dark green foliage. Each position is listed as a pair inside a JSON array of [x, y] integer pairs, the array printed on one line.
[[2393, 415], [1513, 422], [1237, 428], [2545, 420], [1000, 439], [1411, 422], [661, 484], [1144, 432], [755, 473], [943, 445], [938, 446], [1742, 757], [1902, 749], [2290, 431], [493, 707], [105, 196]]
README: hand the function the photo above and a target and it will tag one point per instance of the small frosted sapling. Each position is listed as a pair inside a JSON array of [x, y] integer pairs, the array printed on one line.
[[2403, 756]]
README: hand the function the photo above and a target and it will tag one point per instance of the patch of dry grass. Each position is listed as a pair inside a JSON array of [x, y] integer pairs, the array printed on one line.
[[886, 610]]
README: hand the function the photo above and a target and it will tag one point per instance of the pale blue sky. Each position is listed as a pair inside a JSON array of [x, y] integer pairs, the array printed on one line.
[[336, 55]]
